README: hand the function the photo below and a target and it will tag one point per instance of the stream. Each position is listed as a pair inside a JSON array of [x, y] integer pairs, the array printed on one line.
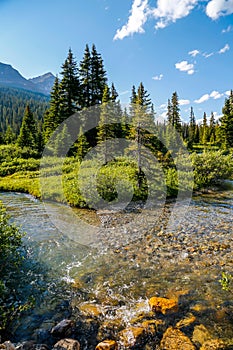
[[122, 258]]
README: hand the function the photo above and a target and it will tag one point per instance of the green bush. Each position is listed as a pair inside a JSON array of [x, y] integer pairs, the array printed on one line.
[[210, 168], [11, 259]]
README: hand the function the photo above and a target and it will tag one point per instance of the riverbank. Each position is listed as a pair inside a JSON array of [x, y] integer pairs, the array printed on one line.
[[84, 185]]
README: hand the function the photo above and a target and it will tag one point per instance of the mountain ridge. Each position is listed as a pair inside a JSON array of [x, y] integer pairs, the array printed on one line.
[[11, 77]]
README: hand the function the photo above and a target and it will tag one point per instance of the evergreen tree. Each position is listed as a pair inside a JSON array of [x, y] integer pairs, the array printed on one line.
[[227, 122], [85, 73], [173, 112], [192, 128], [62, 142], [28, 131], [98, 77], [52, 117], [212, 136], [204, 130], [106, 130], [70, 95], [9, 136], [82, 145]]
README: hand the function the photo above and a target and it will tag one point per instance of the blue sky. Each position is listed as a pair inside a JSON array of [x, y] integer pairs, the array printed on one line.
[[169, 45]]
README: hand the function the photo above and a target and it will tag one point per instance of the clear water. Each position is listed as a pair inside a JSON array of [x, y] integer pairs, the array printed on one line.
[[118, 259]]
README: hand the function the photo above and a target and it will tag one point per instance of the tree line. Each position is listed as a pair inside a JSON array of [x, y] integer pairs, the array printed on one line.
[[85, 85]]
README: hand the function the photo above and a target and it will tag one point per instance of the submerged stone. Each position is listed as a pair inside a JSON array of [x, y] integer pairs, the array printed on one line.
[[163, 305], [107, 345], [214, 344], [67, 344], [63, 328], [174, 339], [133, 336]]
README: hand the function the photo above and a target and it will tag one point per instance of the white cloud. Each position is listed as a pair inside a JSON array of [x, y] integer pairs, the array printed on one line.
[[184, 66], [227, 30], [124, 92], [194, 53], [137, 19], [207, 55], [158, 77], [184, 102], [224, 49], [215, 95], [228, 92], [168, 11], [163, 106], [203, 98], [217, 8]]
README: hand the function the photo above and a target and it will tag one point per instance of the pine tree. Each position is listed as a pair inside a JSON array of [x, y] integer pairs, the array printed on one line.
[[62, 142], [82, 145], [227, 122], [174, 113], [85, 73], [106, 130], [212, 136], [28, 132], [204, 130], [69, 88], [98, 77], [52, 117], [192, 128]]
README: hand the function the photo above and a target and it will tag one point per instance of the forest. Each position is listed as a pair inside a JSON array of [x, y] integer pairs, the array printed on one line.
[[29, 123]]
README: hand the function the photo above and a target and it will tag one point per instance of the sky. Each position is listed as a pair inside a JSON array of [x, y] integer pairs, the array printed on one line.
[[170, 45]]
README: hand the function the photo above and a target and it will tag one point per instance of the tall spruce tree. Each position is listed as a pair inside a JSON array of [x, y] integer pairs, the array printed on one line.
[[227, 122], [85, 73], [28, 131], [52, 117], [98, 77], [204, 130], [106, 127], [174, 112], [70, 94]]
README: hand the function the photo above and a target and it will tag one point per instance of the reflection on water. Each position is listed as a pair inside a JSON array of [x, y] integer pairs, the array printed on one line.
[[115, 260]]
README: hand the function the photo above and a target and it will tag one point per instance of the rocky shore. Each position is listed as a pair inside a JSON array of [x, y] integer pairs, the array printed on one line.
[[156, 324]]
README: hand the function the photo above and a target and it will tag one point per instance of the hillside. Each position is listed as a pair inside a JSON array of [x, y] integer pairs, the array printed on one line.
[[12, 105]]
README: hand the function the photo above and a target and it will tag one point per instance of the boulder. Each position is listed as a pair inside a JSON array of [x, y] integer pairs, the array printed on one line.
[[201, 334], [63, 328], [133, 336], [67, 344], [7, 345], [163, 305], [91, 310], [214, 344], [174, 339], [107, 345]]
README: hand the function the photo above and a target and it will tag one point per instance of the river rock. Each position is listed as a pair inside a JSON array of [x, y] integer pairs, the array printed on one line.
[[26, 345], [7, 345], [109, 328], [133, 336], [107, 345], [67, 344], [201, 334], [174, 339], [91, 310], [214, 344], [163, 305], [63, 328]]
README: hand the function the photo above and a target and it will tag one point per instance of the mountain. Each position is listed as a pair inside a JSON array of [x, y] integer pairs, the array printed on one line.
[[44, 83], [10, 77]]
